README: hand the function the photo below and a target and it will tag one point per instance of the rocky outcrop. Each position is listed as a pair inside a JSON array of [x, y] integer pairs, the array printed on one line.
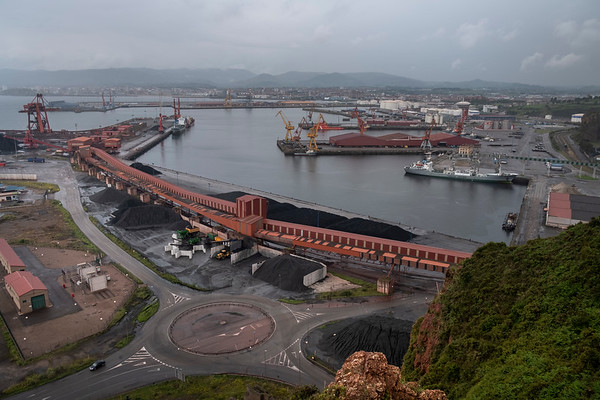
[[367, 375]]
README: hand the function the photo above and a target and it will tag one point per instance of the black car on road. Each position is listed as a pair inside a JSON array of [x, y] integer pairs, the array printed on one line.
[[97, 364]]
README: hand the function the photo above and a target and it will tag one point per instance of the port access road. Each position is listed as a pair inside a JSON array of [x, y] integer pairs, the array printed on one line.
[[154, 355]]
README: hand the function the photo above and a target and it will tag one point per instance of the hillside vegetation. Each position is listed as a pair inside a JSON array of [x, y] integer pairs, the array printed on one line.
[[557, 108], [516, 322]]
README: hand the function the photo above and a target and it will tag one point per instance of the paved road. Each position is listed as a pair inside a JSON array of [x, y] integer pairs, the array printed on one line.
[[152, 357]]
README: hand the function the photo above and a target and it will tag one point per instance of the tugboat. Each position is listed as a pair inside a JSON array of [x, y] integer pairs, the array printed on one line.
[[510, 223]]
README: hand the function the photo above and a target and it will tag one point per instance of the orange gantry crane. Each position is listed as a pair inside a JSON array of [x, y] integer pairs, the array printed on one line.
[[464, 106], [32, 143], [426, 144], [289, 126], [37, 118], [362, 126]]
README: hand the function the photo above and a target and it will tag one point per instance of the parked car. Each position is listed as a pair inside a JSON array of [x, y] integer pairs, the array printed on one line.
[[97, 364]]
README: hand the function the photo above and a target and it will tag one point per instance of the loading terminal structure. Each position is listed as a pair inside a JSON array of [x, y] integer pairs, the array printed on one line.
[[248, 217]]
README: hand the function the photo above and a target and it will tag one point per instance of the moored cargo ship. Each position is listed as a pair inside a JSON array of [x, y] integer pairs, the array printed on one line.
[[425, 168]]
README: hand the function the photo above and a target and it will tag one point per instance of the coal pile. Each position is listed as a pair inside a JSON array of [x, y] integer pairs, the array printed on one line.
[[7, 145], [372, 228], [133, 214], [383, 334], [145, 168], [306, 216], [109, 196], [230, 196], [286, 272]]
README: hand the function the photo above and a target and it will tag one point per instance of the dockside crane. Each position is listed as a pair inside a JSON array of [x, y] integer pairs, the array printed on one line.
[[177, 109], [289, 126], [32, 143], [227, 102], [464, 106], [362, 126], [312, 135], [426, 144], [323, 126], [37, 118], [299, 129]]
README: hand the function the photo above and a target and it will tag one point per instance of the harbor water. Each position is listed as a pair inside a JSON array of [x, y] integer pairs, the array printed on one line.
[[239, 146]]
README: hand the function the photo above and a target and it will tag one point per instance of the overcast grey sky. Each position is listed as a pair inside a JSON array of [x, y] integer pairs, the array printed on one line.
[[545, 42]]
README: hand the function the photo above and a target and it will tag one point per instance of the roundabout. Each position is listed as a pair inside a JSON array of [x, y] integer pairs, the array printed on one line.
[[221, 328]]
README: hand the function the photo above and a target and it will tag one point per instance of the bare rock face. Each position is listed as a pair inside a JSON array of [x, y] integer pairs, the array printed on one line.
[[367, 375]]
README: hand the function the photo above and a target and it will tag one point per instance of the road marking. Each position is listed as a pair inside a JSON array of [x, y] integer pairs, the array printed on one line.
[[282, 359], [302, 315], [139, 359], [178, 298]]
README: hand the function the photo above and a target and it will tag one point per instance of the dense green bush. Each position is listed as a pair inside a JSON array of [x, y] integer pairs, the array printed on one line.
[[519, 322]]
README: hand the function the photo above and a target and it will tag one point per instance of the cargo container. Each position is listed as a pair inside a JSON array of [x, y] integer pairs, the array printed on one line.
[[36, 159]]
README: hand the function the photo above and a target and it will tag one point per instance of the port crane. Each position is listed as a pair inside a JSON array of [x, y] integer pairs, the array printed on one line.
[[426, 144], [323, 126], [464, 106], [362, 126], [227, 102], [37, 118], [176, 109], [312, 135], [110, 104], [289, 126], [32, 143], [298, 131]]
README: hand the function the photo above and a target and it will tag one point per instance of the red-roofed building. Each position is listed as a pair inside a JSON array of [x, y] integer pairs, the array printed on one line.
[[9, 259], [565, 209], [27, 291], [440, 139]]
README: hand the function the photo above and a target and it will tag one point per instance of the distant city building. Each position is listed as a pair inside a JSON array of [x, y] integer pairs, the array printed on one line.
[[576, 118], [395, 105], [488, 109]]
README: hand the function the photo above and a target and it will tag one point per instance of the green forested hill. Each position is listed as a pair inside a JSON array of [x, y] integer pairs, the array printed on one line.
[[516, 322]]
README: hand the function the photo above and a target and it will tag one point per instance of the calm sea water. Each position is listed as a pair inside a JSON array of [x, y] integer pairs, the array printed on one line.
[[239, 146]]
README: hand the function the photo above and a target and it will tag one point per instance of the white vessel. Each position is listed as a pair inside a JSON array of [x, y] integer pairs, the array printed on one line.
[[425, 168]]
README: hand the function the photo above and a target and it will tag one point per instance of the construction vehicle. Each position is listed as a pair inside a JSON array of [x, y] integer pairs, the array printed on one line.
[[289, 126], [223, 254]]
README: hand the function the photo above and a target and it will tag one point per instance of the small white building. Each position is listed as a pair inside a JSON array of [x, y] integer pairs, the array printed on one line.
[[92, 277], [576, 118]]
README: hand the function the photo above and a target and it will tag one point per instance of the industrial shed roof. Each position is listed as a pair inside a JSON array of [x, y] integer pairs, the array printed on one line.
[[398, 140], [9, 254], [24, 282], [573, 206]]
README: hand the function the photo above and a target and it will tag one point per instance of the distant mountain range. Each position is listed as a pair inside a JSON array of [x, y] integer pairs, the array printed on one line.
[[233, 78]]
